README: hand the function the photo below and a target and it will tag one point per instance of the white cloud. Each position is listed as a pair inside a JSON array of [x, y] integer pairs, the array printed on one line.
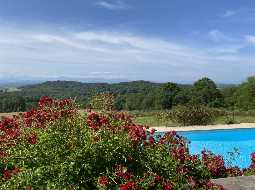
[[242, 16], [112, 5], [229, 13], [250, 39], [114, 54], [218, 36], [225, 43]]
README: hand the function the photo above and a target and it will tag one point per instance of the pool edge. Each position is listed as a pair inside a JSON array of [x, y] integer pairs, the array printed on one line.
[[204, 128]]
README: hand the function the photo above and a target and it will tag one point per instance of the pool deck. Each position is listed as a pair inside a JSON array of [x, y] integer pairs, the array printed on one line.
[[206, 127], [237, 183]]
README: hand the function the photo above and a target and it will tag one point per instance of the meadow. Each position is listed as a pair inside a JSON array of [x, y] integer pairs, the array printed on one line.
[[151, 118]]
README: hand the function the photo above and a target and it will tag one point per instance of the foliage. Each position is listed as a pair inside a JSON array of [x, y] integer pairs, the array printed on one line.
[[169, 93], [137, 95], [193, 115], [103, 101], [230, 119], [12, 103], [53, 147], [244, 96], [207, 93]]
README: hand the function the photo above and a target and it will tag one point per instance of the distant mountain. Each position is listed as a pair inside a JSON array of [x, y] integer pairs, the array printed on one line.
[[10, 81], [8, 84], [17, 81], [221, 85], [76, 89]]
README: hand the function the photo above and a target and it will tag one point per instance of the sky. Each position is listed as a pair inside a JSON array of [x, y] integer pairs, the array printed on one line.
[[163, 40]]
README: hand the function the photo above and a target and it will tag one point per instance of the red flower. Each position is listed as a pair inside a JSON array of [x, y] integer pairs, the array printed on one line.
[[211, 186], [182, 170], [157, 178], [191, 181], [168, 186], [152, 131], [215, 164], [137, 133], [193, 158], [234, 171], [152, 140], [45, 101], [2, 154], [179, 153], [7, 174], [128, 186], [103, 180], [95, 121], [171, 133], [15, 170], [32, 139], [253, 157], [124, 175], [9, 128], [65, 102]]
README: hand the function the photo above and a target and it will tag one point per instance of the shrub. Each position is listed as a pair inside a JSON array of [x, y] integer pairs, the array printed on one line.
[[230, 121], [53, 147], [193, 115], [103, 101]]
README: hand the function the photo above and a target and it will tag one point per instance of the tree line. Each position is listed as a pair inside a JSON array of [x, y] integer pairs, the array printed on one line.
[[137, 95]]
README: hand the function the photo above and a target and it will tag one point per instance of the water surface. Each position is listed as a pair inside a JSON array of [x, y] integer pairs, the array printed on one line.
[[235, 145]]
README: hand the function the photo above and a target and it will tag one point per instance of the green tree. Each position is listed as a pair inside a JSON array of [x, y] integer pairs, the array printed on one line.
[[148, 102], [205, 92], [229, 96], [134, 101], [244, 95], [184, 96], [120, 102], [169, 91]]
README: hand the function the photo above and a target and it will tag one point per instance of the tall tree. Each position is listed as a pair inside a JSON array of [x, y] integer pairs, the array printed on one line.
[[205, 92], [169, 92], [244, 95]]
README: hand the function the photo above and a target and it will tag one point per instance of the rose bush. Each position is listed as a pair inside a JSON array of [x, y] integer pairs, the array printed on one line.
[[55, 147]]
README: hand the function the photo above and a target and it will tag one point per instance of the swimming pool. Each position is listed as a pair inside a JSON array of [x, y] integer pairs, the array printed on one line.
[[235, 145]]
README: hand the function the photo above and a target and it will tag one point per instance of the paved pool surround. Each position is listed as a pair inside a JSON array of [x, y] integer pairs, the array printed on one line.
[[204, 127]]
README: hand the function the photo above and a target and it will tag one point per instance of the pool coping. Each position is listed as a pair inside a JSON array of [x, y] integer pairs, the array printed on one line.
[[237, 183], [205, 128]]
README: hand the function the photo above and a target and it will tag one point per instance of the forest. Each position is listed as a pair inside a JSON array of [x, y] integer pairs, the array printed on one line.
[[137, 95]]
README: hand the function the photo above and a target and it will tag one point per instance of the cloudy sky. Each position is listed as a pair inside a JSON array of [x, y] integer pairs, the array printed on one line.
[[163, 40]]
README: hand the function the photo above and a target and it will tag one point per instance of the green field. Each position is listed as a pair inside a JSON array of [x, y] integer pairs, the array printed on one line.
[[152, 120]]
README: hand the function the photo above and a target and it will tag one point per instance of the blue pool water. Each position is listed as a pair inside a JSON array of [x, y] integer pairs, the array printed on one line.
[[235, 145]]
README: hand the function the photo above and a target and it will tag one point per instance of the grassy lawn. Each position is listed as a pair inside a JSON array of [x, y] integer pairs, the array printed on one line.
[[153, 121], [238, 118], [16, 113], [8, 114], [150, 119]]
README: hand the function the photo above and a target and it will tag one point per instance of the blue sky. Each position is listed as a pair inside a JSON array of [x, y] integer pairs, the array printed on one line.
[[163, 40]]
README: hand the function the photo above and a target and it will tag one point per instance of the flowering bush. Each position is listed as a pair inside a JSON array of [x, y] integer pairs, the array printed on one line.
[[54, 147]]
